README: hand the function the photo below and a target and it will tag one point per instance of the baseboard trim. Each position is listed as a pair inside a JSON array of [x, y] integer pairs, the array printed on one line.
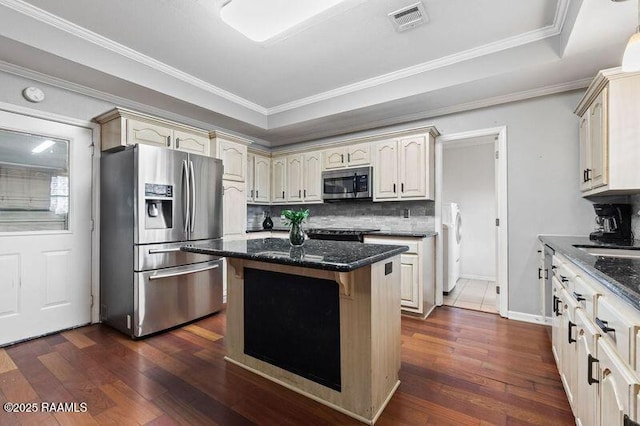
[[477, 277], [534, 319]]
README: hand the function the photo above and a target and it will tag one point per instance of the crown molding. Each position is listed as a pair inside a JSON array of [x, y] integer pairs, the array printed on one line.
[[438, 112], [508, 43], [101, 41], [529, 37], [103, 96]]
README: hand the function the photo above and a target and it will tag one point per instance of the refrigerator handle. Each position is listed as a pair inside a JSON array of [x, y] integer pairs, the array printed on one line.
[[193, 196], [186, 195], [187, 272]]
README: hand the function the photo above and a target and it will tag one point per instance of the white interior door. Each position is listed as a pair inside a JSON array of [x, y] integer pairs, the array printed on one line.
[[45, 226], [496, 168]]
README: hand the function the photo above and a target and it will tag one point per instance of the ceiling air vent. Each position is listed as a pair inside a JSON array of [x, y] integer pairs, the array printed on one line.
[[409, 17]]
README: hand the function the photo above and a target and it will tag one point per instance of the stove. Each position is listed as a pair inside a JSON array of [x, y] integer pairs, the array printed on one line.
[[339, 234]]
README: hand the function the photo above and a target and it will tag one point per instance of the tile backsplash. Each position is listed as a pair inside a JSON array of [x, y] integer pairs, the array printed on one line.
[[635, 219], [387, 216]]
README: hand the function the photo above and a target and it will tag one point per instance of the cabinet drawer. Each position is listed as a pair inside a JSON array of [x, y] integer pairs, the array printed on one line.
[[412, 244], [586, 296], [618, 327]]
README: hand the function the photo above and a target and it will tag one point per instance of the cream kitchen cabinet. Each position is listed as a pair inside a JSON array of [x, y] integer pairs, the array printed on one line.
[[278, 180], [234, 210], [587, 391], [121, 127], [594, 144], [618, 387], [258, 179], [347, 156], [417, 285], [595, 337], [297, 178], [294, 179], [609, 131], [404, 168], [234, 159]]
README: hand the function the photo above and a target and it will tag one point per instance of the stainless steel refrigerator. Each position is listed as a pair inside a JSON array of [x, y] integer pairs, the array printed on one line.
[[153, 201]]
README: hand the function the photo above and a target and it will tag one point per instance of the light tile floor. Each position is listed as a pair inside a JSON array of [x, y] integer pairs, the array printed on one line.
[[478, 295]]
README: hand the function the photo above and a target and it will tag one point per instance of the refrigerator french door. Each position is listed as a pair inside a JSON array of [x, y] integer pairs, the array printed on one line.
[[153, 201]]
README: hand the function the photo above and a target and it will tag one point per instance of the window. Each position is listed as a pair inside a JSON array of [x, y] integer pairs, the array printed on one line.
[[34, 182]]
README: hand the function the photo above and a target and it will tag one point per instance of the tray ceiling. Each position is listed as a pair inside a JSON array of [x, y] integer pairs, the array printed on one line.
[[329, 78]]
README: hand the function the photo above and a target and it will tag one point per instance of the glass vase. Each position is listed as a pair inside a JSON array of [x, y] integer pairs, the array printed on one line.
[[296, 235]]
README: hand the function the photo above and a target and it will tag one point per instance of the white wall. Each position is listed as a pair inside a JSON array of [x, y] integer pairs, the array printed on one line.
[[469, 180], [544, 198]]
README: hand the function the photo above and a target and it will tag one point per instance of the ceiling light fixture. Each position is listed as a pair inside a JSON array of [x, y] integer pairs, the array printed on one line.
[[631, 58], [261, 20], [44, 145]]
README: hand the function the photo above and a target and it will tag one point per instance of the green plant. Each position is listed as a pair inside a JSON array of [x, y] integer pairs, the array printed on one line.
[[294, 217]]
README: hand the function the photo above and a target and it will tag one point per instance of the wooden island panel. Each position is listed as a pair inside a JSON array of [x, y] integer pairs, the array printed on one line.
[[369, 335]]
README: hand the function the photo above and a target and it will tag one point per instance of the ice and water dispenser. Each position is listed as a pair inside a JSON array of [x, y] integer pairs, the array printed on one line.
[[158, 206]]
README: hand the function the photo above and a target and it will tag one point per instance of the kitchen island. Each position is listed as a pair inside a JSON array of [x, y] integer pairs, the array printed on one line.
[[322, 320]]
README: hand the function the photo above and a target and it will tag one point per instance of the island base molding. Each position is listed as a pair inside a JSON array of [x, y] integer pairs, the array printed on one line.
[[316, 398], [369, 327]]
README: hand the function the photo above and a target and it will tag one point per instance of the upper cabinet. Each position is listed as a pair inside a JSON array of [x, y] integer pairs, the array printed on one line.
[[121, 127], [347, 156], [297, 178], [609, 131], [278, 180], [189, 142], [404, 168], [258, 179], [232, 150]]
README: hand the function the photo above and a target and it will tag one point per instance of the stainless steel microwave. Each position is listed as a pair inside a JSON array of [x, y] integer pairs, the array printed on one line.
[[347, 184]]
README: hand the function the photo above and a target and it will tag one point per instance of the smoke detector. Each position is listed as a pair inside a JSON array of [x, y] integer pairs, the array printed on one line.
[[409, 17]]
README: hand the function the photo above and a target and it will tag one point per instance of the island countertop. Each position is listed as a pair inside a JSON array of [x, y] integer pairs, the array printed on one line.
[[339, 256]]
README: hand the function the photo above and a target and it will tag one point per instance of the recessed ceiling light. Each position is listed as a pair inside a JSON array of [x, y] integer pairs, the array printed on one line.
[[260, 20]]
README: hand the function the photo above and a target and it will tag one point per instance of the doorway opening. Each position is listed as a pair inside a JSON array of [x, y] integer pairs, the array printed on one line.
[[471, 221]]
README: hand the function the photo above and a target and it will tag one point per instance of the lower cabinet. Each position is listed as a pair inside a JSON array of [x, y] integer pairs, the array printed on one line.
[[618, 386], [594, 339], [417, 272], [234, 206], [587, 411]]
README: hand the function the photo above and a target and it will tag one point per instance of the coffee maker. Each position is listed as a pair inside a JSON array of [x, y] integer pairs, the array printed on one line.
[[614, 223]]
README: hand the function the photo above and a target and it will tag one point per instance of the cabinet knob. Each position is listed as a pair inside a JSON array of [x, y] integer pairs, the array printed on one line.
[[394, 188], [177, 142], [342, 158]]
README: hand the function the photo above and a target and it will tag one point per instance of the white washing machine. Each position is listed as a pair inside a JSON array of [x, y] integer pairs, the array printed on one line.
[[452, 237]]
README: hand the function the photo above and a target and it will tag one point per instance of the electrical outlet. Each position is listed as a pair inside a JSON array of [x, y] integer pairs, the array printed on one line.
[[406, 213]]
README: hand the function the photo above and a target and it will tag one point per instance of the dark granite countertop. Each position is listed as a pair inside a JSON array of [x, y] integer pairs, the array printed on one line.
[[340, 256], [415, 234], [276, 229], [620, 275]]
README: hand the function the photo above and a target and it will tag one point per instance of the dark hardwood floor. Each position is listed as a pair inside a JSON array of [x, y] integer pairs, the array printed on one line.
[[459, 367]]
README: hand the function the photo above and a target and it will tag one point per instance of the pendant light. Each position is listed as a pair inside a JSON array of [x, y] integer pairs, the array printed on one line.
[[631, 58]]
